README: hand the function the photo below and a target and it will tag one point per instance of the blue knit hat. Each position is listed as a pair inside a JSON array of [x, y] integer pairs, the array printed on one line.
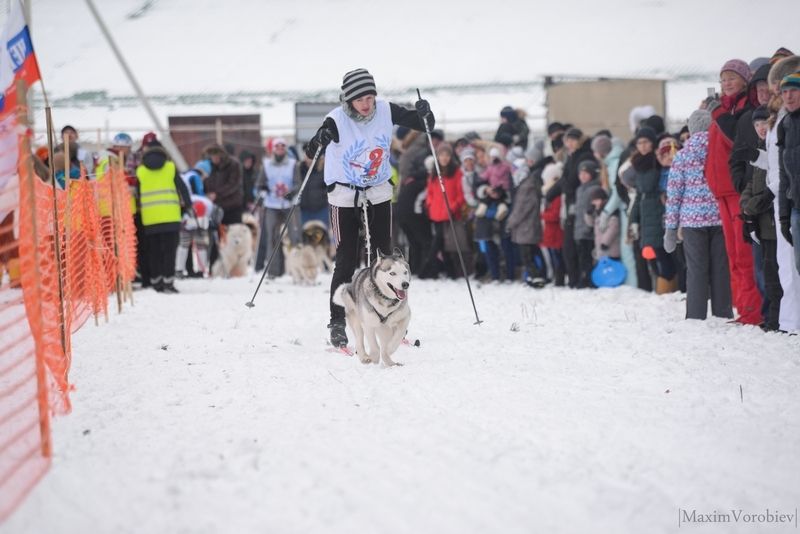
[[204, 166]]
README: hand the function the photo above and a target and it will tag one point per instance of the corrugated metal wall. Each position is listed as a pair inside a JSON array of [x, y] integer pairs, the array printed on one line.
[[193, 134], [594, 105]]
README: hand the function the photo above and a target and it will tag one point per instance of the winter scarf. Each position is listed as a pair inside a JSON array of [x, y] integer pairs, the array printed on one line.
[[729, 102], [355, 115], [644, 163]]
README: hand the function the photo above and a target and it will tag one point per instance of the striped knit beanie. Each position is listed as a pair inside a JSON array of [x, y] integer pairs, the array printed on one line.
[[357, 83], [792, 80]]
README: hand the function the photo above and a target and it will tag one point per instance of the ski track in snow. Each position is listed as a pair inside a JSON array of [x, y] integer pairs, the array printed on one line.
[[605, 412]]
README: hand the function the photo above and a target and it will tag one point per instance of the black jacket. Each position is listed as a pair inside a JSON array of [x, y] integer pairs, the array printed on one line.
[[569, 181], [249, 177], [315, 195], [746, 140], [789, 145], [757, 203]]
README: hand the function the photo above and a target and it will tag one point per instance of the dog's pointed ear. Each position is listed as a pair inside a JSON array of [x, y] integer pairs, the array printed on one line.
[[397, 253], [380, 254]]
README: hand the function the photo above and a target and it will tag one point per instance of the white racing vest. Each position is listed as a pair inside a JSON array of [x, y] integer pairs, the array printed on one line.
[[280, 179], [361, 157]]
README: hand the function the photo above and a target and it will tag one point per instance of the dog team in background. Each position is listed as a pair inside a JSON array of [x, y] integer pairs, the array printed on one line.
[[712, 210]]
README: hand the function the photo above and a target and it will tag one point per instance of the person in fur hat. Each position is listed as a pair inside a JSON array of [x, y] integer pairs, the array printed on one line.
[[771, 160]]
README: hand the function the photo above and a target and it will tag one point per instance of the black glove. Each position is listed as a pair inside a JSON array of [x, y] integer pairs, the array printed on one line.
[[423, 109], [322, 138], [748, 226], [786, 230]]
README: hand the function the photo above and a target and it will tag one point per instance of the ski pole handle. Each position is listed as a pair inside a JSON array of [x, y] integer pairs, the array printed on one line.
[[425, 118]]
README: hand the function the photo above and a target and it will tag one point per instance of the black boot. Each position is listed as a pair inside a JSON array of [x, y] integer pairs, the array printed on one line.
[[338, 334], [170, 288]]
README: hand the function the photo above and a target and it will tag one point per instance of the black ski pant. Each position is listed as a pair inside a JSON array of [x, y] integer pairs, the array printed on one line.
[[569, 252], [417, 229], [438, 258], [532, 262], [585, 262], [345, 225], [773, 292], [161, 251], [557, 264], [141, 252], [643, 278]]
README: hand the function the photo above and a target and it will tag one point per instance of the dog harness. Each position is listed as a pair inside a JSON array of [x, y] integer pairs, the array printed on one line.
[[394, 302]]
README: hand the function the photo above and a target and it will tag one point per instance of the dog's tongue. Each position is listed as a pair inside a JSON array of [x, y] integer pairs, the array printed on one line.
[[401, 294]]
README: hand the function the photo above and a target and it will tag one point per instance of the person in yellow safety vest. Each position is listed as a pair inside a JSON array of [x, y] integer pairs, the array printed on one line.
[[120, 148], [163, 198]]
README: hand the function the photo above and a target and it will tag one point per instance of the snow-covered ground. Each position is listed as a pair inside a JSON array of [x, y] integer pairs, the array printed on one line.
[[604, 412]]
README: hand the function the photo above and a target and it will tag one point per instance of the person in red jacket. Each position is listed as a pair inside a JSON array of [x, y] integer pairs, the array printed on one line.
[[438, 257], [725, 113], [553, 235]]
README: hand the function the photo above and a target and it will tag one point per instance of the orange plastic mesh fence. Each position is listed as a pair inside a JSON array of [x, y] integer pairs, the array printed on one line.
[[24, 431], [45, 297]]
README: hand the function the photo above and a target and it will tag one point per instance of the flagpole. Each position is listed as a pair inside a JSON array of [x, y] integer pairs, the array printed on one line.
[[25, 6]]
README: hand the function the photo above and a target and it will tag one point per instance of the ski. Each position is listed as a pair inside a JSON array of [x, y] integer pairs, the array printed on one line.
[[347, 351]]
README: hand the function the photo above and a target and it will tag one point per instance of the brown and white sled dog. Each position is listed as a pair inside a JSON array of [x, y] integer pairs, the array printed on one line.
[[305, 260], [315, 234], [249, 220], [376, 307]]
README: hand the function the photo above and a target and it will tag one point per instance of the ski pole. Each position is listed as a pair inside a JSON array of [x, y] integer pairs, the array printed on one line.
[[295, 203], [449, 213]]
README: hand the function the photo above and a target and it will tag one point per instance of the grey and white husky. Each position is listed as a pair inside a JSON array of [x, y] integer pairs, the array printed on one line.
[[376, 307]]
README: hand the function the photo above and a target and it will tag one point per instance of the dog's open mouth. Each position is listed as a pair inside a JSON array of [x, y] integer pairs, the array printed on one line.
[[399, 293]]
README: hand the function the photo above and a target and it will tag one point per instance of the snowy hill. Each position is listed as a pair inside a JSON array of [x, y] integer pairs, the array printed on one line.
[[605, 412], [184, 49]]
